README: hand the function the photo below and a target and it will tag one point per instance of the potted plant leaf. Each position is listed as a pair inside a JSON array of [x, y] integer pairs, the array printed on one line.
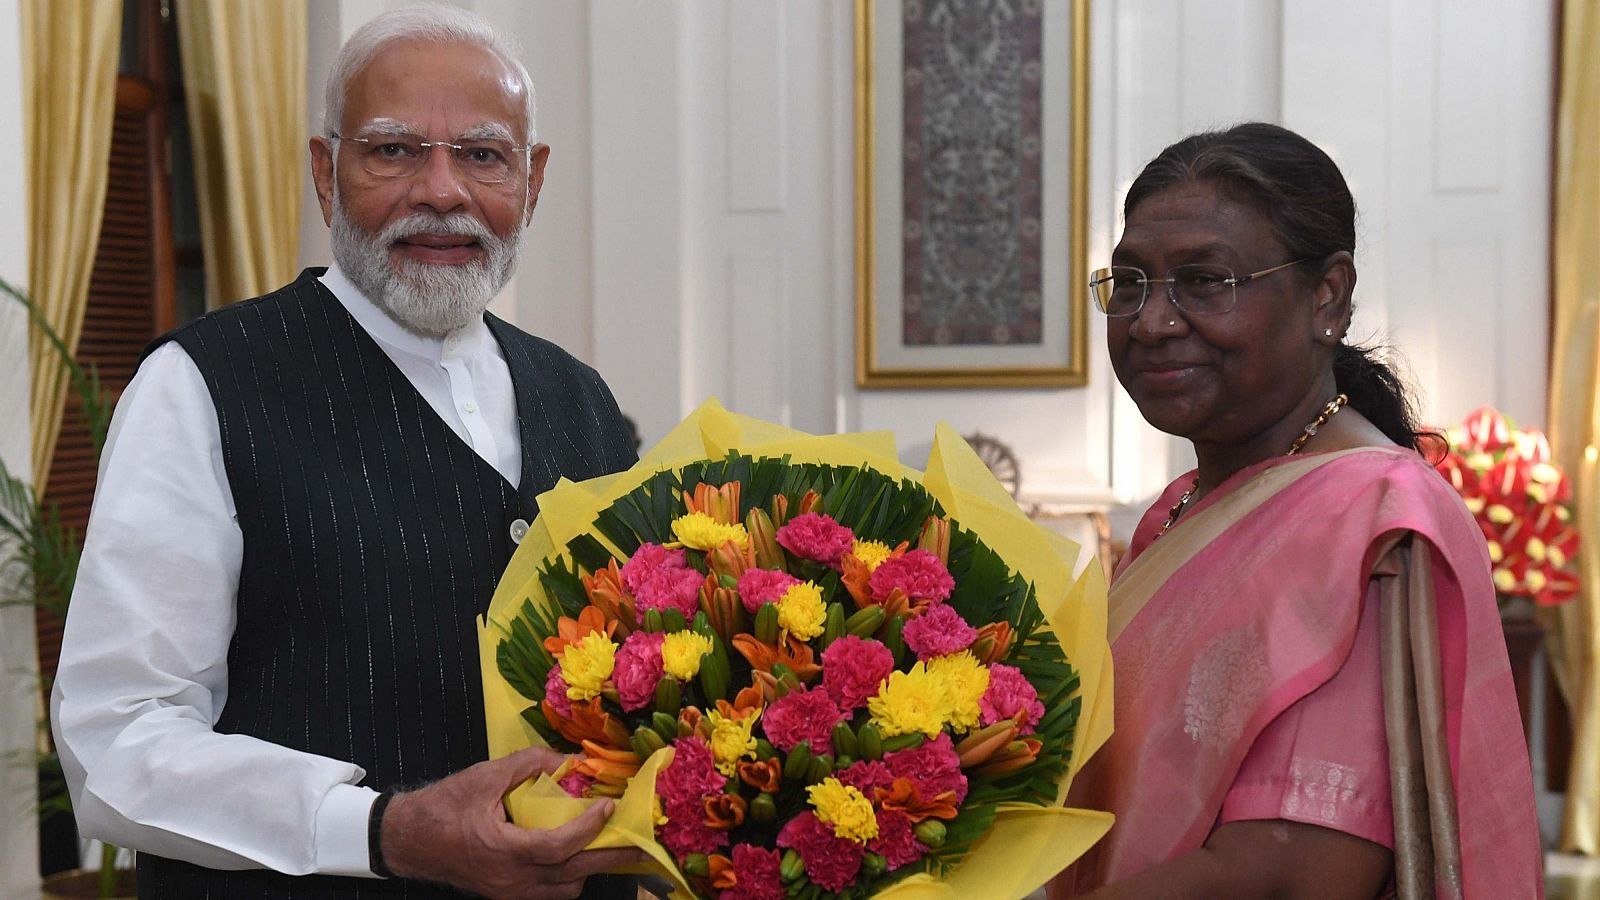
[[38, 565]]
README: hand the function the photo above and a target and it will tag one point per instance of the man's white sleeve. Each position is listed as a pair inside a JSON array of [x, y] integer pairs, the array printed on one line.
[[143, 674]]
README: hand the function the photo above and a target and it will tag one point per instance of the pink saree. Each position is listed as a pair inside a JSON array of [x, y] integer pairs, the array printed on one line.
[[1254, 601]]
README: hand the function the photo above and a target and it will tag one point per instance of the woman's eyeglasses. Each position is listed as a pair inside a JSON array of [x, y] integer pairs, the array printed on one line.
[[1200, 289]]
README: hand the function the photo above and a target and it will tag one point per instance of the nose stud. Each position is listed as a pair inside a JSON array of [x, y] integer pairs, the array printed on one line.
[[1172, 323]]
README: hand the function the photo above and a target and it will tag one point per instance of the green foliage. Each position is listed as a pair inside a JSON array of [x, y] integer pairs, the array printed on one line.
[[39, 555]]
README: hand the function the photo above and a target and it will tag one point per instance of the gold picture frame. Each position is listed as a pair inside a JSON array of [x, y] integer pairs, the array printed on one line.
[[985, 366]]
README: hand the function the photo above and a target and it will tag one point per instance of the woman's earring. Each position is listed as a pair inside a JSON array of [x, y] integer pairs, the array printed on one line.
[[1328, 332]]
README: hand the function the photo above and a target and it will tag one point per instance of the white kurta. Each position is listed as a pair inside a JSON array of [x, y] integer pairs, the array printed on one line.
[[144, 663]]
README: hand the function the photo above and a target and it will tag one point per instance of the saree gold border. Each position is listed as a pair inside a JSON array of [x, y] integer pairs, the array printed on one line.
[[869, 374], [1145, 575]]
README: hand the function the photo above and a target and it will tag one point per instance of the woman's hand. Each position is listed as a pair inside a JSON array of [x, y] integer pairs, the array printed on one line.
[[1270, 858]]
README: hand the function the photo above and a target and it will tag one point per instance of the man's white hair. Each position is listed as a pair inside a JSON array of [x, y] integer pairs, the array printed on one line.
[[434, 24]]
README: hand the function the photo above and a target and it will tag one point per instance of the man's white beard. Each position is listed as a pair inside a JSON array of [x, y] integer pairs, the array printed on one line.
[[431, 300]]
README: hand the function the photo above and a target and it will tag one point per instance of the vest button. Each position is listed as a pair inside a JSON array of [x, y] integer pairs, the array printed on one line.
[[519, 530]]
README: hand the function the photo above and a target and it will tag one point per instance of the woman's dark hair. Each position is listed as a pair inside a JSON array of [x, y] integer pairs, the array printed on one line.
[[1299, 188]]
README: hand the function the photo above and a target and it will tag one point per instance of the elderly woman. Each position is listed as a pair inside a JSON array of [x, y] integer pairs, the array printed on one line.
[[1312, 692]]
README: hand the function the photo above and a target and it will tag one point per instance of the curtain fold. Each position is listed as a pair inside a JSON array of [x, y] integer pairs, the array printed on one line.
[[244, 70], [69, 89], [1574, 637]]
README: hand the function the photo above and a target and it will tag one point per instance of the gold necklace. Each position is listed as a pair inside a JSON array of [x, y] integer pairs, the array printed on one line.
[[1329, 409]]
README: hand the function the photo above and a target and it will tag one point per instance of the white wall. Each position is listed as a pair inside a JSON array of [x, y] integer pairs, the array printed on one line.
[[19, 680], [695, 234]]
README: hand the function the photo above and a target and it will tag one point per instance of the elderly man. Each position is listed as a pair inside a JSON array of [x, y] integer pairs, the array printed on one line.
[[269, 683]]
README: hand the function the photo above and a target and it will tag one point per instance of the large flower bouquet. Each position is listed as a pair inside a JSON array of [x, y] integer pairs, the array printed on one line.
[[1520, 499], [803, 671]]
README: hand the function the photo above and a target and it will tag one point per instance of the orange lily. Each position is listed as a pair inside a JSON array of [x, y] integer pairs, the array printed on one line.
[[745, 703], [571, 631], [723, 875], [793, 653], [720, 503], [724, 812], [993, 642], [976, 748], [904, 796], [723, 607], [588, 722], [935, 538], [606, 592], [608, 766], [1011, 757], [692, 719], [779, 510], [764, 536], [764, 775]]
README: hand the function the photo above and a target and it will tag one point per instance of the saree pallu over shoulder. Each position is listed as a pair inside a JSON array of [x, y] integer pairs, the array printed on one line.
[[1251, 602]]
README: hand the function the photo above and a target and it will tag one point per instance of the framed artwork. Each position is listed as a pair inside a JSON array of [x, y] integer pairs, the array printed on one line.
[[971, 165]]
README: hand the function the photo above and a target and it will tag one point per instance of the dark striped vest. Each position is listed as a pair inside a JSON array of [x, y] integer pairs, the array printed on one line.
[[373, 536]]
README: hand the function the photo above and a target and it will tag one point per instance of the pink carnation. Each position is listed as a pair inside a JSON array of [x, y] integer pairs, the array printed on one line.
[[671, 589], [816, 537], [864, 776], [896, 841], [555, 690], [683, 787], [1010, 693], [686, 831], [933, 767], [693, 773], [853, 668], [918, 574], [938, 631], [638, 669], [802, 716], [576, 784], [758, 587], [647, 560], [831, 862], [757, 875]]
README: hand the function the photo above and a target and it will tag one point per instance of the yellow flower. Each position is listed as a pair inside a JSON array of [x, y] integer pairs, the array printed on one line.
[[586, 665], [845, 808], [1504, 580], [914, 701], [1536, 550], [800, 610], [701, 532], [871, 553], [967, 679], [681, 652], [731, 740]]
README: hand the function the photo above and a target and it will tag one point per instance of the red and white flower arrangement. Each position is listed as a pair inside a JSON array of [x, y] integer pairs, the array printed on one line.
[[1520, 500]]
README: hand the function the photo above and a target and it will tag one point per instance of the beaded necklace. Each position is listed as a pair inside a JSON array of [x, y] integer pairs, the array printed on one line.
[[1328, 411]]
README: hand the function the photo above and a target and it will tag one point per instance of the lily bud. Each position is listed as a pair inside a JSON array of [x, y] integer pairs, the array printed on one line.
[[993, 642], [930, 832], [764, 539], [935, 538]]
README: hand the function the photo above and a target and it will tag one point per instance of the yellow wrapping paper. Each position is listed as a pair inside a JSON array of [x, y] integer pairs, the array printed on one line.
[[1027, 844]]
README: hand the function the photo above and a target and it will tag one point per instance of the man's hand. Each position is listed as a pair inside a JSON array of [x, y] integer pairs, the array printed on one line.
[[455, 831]]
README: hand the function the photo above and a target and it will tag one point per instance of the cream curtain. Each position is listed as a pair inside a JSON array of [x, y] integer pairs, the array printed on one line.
[[244, 71], [69, 89], [1575, 405]]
